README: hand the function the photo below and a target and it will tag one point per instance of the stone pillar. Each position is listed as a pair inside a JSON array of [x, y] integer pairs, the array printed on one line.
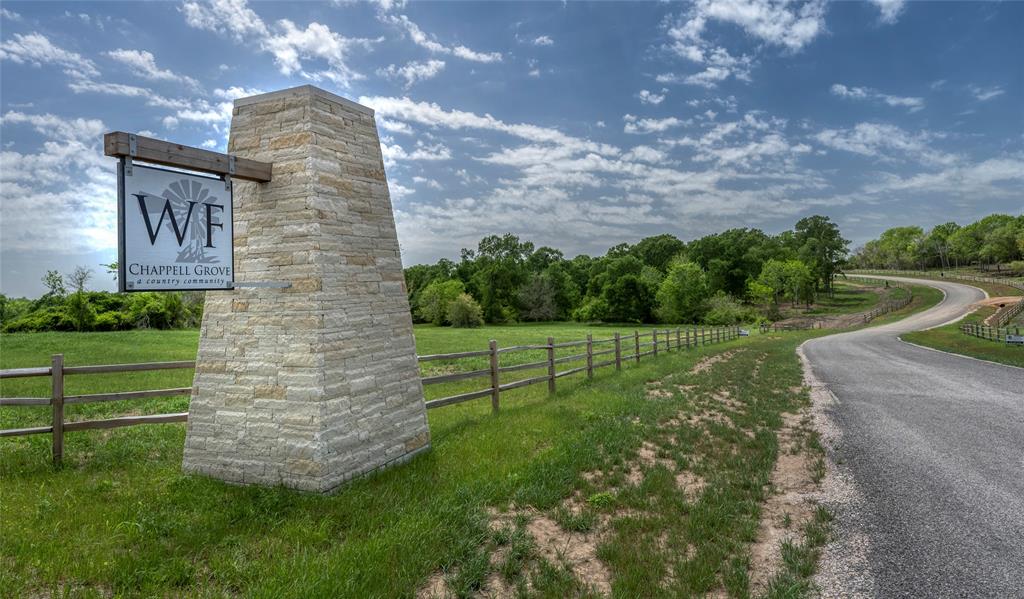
[[315, 384]]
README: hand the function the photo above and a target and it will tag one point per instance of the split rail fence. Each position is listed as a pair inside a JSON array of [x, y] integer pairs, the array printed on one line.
[[983, 331], [612, 352]]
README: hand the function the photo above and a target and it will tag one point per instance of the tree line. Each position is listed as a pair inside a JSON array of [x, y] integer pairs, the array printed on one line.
[[68, 306], [995, 240], [717, 279]]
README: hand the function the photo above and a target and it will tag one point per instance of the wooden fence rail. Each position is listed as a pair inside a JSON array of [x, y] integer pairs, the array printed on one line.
[[685, 338], [983, 331]]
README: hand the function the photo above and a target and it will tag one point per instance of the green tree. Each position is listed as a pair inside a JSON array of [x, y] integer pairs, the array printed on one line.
[[537, 299], [683, 293], [435, 299], [54, 284], [821, 247], [658, 251], [464, 312]]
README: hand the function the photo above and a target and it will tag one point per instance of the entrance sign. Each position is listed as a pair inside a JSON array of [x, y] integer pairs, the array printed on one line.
[[1015, 339], [175, 230]]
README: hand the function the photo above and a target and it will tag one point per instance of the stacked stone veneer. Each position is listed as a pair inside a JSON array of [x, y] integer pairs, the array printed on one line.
[[315, 384]]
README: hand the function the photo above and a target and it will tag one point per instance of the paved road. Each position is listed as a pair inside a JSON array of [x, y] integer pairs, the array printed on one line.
[[934, 444]]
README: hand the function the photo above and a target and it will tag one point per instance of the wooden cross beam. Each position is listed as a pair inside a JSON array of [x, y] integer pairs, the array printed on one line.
[[147, 149]]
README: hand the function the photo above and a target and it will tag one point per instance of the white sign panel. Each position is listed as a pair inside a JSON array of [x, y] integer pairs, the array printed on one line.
[[175, 231]]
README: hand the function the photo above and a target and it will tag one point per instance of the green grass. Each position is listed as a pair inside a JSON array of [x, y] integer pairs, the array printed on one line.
[[949, 338], [848, 298], [121, 518]]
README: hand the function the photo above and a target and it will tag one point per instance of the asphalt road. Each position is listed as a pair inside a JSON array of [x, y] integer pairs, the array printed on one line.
[[934, 444]]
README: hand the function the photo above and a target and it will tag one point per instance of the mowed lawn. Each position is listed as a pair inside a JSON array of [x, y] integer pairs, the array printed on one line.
[[121, 518]]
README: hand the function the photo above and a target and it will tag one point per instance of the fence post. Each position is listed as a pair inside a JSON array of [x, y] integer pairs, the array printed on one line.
[[668, 341], [590, 356], [636, 340], [57, 401], [703, 339], [551, 364], [679, 339], [687, 338], [495, 391], [618, 352], [654, 336]]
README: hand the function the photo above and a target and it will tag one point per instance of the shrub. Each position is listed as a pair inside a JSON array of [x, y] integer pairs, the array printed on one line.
[[724, 309], [435, 299], [593, 309], [683, 293], [464, 312]]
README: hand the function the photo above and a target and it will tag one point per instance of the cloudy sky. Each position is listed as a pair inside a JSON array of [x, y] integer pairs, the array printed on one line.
[[573, 125]]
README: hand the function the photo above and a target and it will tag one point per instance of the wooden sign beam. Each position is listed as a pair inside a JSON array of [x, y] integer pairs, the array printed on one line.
[[147, 149]]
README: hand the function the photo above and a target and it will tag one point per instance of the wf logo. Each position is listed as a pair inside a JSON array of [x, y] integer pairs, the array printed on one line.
[[190, 212]]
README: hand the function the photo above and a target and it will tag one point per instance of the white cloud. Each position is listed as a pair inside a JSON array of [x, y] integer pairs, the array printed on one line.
[[866, 93], [645, 154], [398, 191], [9, 14], [170, 122], [885, 142], [413, 71], [635, 124], [424, 40], [431, 183], [289, 44], [225, 16], [210, 144], [779, 22], [543, 41], [36, 49], [58, 128], [890, 10], [983, 94], [649, 97], [394, 153], [394, 126], [143, 64], [432, 115], [791, 25], [64, 195]]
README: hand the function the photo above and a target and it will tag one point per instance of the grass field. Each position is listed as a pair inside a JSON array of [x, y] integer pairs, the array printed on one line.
[[120, 517], [848, 298], [949, 338]]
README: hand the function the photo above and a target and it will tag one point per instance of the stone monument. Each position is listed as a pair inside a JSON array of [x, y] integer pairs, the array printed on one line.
[[311, 385]]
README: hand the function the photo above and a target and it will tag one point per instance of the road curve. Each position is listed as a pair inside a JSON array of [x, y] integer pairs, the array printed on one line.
[[934, 446]]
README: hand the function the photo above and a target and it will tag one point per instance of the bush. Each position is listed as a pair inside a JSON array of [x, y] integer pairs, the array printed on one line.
[[435, 299], [111, 321], [594, 309], [724, 310], [464, 312], [55, 318]]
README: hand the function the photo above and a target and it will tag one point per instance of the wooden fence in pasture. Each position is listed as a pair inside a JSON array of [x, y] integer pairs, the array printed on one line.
[[983, 331], [621, 349]]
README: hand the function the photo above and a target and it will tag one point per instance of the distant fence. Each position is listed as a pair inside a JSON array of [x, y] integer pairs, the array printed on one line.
[[998, 334], [888, 305], [637, 344]]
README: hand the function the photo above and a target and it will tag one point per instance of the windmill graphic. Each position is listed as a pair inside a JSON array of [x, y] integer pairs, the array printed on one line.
[[180, 193]]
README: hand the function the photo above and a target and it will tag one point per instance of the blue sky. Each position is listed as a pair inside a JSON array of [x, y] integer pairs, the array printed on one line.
[[570, 124]]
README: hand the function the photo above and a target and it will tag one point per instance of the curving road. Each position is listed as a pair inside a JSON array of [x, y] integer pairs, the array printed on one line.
[[933, 444]]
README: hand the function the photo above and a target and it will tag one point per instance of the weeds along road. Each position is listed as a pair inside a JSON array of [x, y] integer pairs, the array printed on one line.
[[934, 445]]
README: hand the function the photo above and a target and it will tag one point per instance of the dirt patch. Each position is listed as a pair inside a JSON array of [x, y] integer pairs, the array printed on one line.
[[789, 507], [691, 484], [577, 550], [706, 363], [995, 301]]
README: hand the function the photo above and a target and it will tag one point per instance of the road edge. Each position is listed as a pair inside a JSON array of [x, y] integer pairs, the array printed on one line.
[[949, 353], [843, 567]]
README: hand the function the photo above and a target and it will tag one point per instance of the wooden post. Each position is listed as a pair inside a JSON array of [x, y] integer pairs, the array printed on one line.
[[590, 356], [687, 338], [679, 339], [618, 352], [668, 340], [551, 364], [57, 401], [495, 392], [636, 339], [654, 337]]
